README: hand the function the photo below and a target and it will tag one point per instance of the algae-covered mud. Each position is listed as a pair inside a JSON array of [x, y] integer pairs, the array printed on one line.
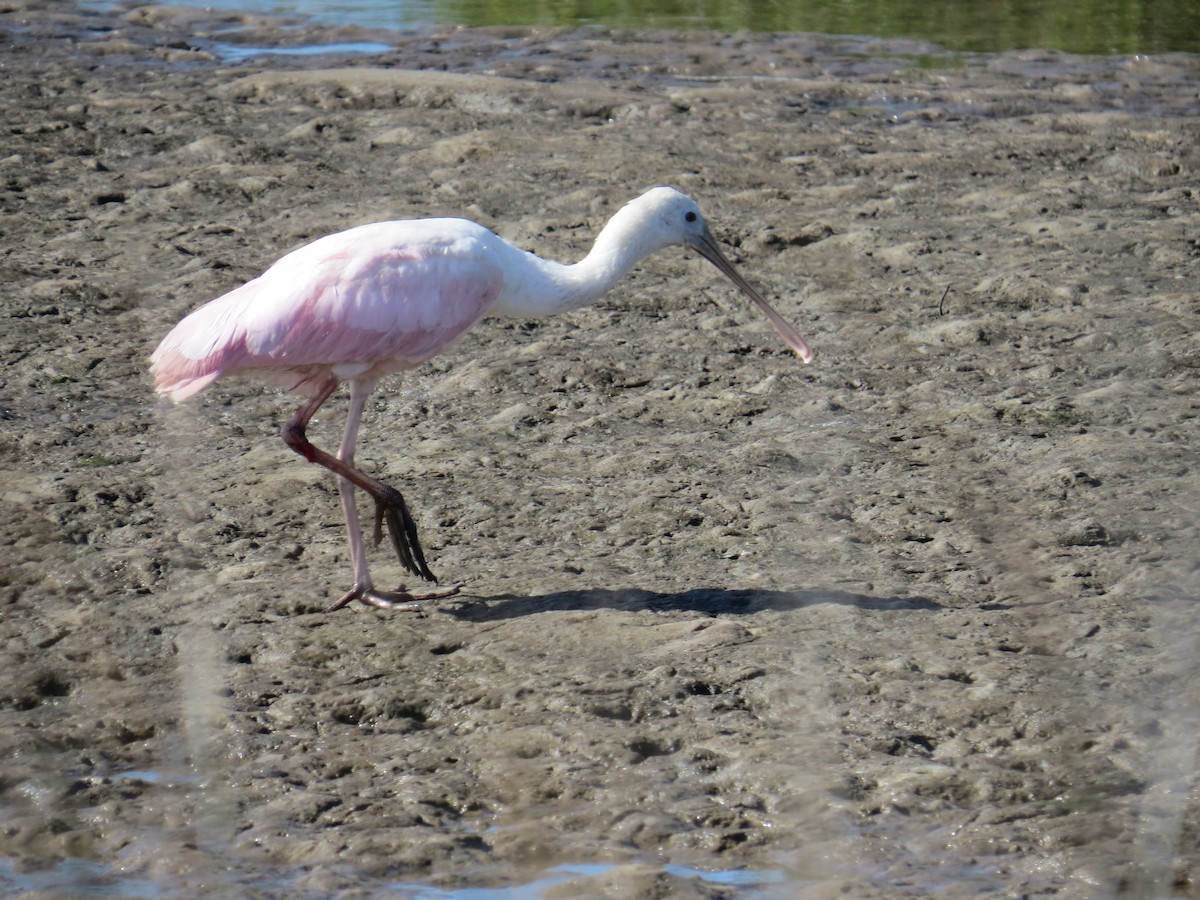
[[917, 618]]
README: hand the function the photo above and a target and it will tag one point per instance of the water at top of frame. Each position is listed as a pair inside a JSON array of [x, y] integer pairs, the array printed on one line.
[[1101, 27]]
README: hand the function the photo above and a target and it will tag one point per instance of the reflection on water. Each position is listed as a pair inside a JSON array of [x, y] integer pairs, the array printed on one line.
[[150, 776], [83, 878], [1075, 26], [564, 875], [235, 53]]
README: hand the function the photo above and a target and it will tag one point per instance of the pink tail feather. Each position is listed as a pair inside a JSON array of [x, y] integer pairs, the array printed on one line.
[[178, 385], [202, 347]]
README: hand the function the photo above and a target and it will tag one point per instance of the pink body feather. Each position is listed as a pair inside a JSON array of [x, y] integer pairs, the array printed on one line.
[[361, 303]]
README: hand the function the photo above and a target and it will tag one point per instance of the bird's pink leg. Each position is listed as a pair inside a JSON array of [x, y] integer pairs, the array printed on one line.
[[385, 496]]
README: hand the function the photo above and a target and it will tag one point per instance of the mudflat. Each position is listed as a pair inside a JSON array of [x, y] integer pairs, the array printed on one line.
[[919, 617]]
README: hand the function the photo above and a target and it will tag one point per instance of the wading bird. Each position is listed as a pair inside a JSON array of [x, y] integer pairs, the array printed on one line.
[[377, 299]]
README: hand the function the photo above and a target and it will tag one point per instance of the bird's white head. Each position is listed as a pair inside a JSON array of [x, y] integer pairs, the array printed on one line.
[[664, 217]]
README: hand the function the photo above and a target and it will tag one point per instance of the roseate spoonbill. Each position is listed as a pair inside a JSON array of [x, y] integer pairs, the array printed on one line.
[[364, 303]]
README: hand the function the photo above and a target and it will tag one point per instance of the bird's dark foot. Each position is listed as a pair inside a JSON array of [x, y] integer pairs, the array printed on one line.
[[390, 507], [398, 600]]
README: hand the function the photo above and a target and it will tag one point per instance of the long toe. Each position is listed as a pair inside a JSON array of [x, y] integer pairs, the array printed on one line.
[[399, 600], [439, 594]]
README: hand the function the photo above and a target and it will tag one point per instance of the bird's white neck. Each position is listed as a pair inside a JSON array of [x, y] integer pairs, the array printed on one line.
[[550, 287]]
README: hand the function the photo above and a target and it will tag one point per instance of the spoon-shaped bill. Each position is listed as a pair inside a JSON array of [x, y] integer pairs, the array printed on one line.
[[706, 245]]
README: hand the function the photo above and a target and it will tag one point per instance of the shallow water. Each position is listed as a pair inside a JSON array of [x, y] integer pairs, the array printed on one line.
[[86, 879], [236, 53], [1077, 26]]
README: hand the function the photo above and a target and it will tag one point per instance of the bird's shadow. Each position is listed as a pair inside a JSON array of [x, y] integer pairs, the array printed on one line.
[[709, 601]]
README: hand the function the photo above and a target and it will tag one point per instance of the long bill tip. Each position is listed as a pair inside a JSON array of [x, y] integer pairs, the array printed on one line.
[[790, 336], [706, 244]]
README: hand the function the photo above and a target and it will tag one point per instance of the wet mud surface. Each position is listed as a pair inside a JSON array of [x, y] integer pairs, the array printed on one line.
[[917, 618]]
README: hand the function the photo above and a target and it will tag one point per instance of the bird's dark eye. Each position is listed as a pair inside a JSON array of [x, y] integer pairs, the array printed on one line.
[[689, 217]]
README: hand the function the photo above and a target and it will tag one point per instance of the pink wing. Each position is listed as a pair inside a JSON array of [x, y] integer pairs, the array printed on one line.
[[375, 299]]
